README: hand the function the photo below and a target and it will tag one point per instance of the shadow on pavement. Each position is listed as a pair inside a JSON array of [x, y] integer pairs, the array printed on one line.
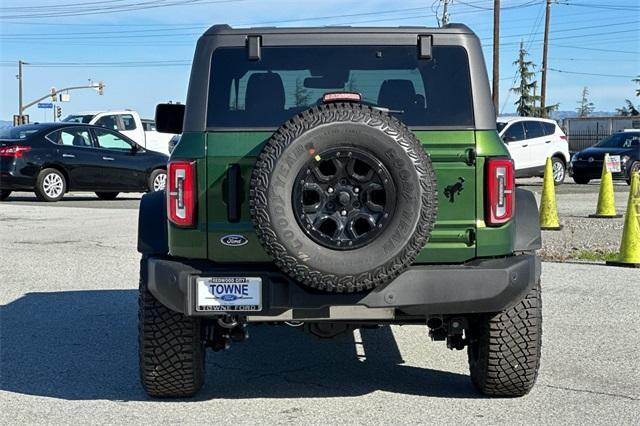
[[82, 345]]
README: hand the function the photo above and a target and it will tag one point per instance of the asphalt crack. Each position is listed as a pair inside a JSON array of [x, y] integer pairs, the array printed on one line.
[[615, 395]]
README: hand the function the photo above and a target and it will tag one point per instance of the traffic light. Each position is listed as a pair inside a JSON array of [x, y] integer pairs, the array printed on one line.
[[53, 94], [58, 112], [100, 88]]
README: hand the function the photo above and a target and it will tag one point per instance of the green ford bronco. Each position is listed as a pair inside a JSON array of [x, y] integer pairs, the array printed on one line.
[[337, 178]]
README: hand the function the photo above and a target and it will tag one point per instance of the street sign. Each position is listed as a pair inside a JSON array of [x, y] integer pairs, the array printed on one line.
[[65, 97], [45, 105]]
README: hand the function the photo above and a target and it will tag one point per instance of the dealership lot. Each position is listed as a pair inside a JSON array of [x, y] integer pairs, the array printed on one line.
[[68, 348]]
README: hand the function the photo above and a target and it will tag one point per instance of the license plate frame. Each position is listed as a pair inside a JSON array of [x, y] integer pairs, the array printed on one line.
[[228, 294]]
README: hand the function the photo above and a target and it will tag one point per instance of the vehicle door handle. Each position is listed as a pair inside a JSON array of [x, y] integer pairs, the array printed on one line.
[[107, 158], [548, 142], [68, 156], [524, 146]]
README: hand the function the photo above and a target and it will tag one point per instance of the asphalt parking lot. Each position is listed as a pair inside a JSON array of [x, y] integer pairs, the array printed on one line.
[[68, 348]]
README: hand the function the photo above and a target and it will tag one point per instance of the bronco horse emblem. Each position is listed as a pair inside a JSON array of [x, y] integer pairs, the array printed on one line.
[[452, 190]]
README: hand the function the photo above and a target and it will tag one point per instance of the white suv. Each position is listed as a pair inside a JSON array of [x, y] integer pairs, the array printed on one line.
[[530, 141]]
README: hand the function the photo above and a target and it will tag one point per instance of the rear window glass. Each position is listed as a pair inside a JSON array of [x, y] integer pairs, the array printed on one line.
[[84, 119], [288, 80], [128, 122]]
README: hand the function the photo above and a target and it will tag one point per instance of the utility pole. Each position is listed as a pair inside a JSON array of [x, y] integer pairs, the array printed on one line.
[[20, 63], [496, 55], [545, 64], [445, 13]]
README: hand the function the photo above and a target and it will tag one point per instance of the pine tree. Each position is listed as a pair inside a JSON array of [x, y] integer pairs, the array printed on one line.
[[585, 107], [629, 109], [525, 105], [301, 94]]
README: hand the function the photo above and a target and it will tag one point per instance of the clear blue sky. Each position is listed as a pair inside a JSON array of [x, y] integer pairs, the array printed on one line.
[[68, 43]]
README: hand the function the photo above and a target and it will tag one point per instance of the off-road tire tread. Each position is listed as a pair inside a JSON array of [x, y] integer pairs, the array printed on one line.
[[171, 351], [509, 349], [285, 136]]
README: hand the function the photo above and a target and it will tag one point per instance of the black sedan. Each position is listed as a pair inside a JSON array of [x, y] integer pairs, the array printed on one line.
[[587, 164], [54, 158]]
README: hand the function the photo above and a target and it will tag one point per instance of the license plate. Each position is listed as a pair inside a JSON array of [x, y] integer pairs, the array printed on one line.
[[222, 294]]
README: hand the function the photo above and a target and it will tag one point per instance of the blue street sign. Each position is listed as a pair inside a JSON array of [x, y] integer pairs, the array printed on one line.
[[45, 105]]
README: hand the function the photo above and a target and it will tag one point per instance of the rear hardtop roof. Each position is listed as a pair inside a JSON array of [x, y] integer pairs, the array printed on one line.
[[224, 29]]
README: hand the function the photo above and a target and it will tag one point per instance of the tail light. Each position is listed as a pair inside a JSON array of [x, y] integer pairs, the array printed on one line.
[[563, 137], [16, 151], [500, 186], [181, 193]]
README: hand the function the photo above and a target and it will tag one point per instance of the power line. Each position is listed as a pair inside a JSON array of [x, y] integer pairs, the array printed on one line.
[[595, 49], [118, 8], [592, 74]]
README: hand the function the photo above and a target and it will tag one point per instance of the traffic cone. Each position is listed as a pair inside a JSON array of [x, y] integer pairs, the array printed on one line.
[[548, 210], [630, 246], [606, 203]]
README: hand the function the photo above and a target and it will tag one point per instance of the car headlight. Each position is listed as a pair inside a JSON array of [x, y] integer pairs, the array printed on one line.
[[624, 159], [574, 157]]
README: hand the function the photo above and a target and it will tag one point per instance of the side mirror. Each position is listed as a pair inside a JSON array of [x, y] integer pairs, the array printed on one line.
[[169, 118], [508, 139]]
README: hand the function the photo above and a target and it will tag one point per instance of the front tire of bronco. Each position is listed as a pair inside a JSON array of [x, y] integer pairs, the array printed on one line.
[[171, 349], [504, 349]]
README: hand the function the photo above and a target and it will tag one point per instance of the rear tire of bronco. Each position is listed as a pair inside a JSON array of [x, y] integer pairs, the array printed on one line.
[[343, 197], [171, 349], [504, 349]]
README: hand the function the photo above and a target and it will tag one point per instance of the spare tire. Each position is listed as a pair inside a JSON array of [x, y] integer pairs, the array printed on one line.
[[343, 197]]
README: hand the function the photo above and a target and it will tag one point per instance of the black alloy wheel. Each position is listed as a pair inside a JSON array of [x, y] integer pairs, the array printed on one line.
[[343, 198]]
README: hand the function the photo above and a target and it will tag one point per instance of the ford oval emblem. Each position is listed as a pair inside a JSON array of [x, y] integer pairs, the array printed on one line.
[[229, 297], [234, 240]]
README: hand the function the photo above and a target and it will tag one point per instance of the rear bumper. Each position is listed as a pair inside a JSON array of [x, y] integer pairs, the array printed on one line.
[[483, 285], [14, 183], [12, 177]]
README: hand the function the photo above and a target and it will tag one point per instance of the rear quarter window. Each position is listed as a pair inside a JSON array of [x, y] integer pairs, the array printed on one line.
[[288, 80], [549, 128]]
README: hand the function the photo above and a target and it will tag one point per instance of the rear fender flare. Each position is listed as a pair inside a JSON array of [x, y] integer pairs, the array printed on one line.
[[528, 236], [152, 224]]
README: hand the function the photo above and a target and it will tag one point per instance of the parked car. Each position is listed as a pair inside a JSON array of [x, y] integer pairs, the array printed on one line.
[[129, 123], [587, 164], [531, 141], [54, 158]]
